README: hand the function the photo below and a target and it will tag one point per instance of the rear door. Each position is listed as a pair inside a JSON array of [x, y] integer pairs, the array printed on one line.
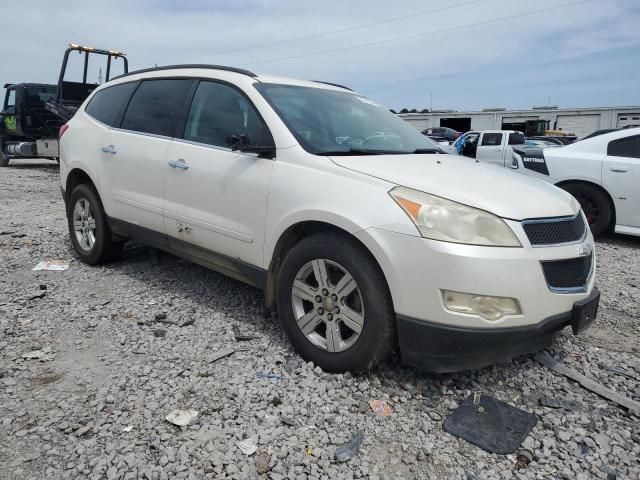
[[621, 178], [134, 154], [216, 198], [490, 149]]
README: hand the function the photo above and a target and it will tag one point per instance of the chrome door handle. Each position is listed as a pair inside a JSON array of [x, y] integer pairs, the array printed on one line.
[[109, 149], [180, 163], [618, 169]]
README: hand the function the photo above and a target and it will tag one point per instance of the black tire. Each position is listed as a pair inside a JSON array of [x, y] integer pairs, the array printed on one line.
[[595, 204], [377, 337], [4, 160], [104, 249]]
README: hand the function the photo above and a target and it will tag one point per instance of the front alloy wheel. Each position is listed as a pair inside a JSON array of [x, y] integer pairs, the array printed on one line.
[[327, 305]]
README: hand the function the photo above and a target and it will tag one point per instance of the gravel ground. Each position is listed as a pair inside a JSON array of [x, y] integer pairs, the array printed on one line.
[[94, 405]]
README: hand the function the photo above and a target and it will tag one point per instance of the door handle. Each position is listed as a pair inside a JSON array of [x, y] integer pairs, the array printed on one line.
[[180, 163], [109, 149], [619, 169]]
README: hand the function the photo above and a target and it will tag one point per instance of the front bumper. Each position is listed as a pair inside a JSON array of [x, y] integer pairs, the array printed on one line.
[[444, 348]]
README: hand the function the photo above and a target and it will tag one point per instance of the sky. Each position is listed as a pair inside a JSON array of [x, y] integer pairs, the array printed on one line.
[[452, 54]]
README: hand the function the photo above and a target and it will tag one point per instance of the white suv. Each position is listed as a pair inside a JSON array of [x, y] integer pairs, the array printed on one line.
[[365, 238]]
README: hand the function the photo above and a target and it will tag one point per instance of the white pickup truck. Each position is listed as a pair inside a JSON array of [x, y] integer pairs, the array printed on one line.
[[490, 146]]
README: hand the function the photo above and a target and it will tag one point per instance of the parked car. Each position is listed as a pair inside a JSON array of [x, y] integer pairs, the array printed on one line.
[[364, 243], [540, 143], [600, 132], [602, 172], [442, 132], [560, 140], [491, 146]]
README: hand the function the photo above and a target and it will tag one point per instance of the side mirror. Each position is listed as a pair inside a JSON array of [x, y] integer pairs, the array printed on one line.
[[241, 143]]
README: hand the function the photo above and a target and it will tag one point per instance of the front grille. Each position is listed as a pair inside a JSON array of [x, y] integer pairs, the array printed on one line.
[[554, 231], [570, 273]]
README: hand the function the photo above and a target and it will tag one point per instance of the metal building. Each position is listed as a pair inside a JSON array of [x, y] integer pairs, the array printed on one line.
[[578, 121]]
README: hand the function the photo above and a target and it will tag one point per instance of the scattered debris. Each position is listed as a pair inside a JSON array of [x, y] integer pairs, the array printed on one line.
[[43, 355], [161, 316], [248, 446], [557, 403], [381, 407], [269, 376], [18, 235], [345, 452], [35, 294], [609, 472], [127, 429], [159, 333], [545, 359], [52, 265], [523, 459], [501, 428], [186, 323], [6, 233], [240, 337], [182, 418], [276, 402], [619, 371], [288, 421], [215, 356], [309, 451], [262, 463]]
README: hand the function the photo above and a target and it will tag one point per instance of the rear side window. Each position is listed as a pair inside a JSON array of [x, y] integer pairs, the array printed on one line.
[[625, 147], [217, 111], [516, 139], [107, 104], [491, 139], [155, 106]]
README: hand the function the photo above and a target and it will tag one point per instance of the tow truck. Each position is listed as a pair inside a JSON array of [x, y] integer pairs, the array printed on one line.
[[32, 113]]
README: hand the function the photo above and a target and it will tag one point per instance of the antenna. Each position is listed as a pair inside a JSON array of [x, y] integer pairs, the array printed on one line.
[[100, 76]]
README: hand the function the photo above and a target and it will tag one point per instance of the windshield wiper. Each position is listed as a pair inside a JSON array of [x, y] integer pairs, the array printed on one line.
[[358, 151], [428, 150]]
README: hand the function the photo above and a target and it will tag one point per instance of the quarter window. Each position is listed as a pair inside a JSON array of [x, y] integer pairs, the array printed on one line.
[[155, 106], [625, 147], [217, 111], [491, 139], [107, 104]]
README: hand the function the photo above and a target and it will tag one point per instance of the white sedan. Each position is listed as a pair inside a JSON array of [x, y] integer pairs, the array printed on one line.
[[602, 173]]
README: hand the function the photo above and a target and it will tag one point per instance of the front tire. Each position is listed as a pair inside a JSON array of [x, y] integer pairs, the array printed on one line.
[[4, 160], [335, 305], [90, 233], [595, 205]]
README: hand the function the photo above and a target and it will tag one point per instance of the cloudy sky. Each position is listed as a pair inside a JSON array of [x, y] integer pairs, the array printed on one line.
[[466, 54]]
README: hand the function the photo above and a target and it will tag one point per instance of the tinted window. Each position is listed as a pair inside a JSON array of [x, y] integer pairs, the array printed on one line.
[[155, 106], [625, 147], [106, 105], [491, 139], [516, 139], [218, 111]]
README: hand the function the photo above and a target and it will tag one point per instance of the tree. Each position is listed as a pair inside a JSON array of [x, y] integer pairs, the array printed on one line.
[[424, 110], [392, 110], [404, 110], [413, 110]]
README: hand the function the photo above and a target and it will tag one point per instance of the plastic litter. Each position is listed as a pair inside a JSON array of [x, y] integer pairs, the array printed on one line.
[[182, 418], [52, 265], [557, 403], [545, 359], [42, 355], [269, 376], [346, 451], [381, 407], [500, 428], [248, 446], [215, 356], [523, 459], [127, 429]]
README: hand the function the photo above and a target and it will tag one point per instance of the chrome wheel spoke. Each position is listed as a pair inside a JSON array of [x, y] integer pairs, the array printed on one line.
[[92, 223], [320, 272], [334, 338], [352, 319], [309, 322], [303, 291], [77, 225], [345, 286]]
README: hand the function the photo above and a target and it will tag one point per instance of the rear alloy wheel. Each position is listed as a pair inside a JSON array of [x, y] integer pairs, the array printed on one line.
[[595, 205], [90, 233], [334, 304]]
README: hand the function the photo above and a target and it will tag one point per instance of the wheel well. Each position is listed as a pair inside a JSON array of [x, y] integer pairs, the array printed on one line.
[[565, 183], [293, 235], [75, 178]]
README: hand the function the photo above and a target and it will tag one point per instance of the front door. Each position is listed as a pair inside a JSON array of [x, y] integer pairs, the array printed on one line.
[[621, 178], [216, 198]]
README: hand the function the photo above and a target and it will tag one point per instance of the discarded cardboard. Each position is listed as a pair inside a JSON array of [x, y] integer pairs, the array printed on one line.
[[52, 265]]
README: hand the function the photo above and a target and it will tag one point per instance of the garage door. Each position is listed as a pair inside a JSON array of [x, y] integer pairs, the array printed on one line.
[[581, 125], [627, 119]]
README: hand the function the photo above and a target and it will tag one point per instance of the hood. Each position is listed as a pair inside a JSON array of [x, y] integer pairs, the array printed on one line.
[[495, 189]]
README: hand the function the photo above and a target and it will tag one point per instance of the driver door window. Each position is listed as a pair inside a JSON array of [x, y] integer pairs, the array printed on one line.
[[218, 111], [11, 101]]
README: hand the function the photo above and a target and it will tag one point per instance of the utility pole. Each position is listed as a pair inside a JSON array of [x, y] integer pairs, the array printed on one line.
[[100, 76], [431, 107]]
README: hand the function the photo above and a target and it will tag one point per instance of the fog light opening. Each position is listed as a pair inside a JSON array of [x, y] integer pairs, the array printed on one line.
[[485, 306]]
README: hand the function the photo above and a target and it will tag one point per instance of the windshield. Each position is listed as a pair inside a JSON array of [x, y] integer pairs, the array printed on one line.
[[329, 122]]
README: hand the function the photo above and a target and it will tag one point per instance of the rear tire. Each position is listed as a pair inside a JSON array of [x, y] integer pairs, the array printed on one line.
[[88, 228], [355, 293], [595, 205], [4, 160]]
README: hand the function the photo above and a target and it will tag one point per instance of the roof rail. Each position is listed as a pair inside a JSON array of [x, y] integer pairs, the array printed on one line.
[[333, 84], [195, 65]]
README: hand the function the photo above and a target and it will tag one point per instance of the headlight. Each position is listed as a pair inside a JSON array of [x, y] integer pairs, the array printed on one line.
[[440, 219]]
